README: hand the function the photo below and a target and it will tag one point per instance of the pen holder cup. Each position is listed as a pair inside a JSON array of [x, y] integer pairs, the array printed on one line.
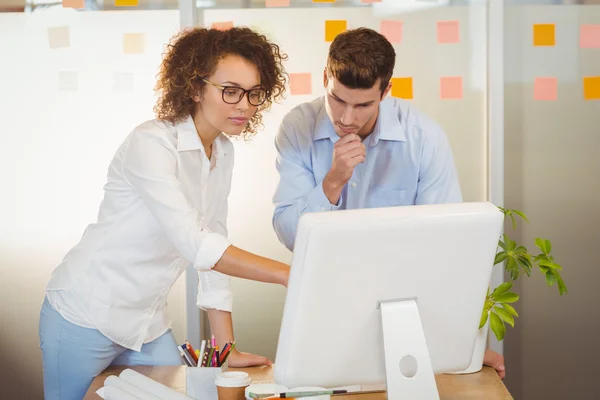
[[200, 382]]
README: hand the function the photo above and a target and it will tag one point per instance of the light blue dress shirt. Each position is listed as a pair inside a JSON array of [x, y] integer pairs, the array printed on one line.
[[409, 162]]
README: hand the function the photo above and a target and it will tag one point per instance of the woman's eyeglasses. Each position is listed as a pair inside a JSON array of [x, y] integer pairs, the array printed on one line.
[[235, 94]]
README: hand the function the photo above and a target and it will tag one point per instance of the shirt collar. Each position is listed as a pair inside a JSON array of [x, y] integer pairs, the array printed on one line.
[[187, 136], [388, 125]]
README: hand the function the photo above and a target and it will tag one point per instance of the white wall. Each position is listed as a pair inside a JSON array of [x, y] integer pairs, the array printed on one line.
[[258, 307]]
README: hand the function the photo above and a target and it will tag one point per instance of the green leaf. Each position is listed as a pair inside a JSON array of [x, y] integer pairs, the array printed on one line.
[[544, 245], [510, 309], [525, 263], [508, 297], [511, 264], [521, 250], [510, 244], [540, 257], [562, 288], [520, 214], [501, 289], [505, 316], [544, 269], [550, 278], [550, 264], [500, 256], [512, 218], [501, 244], [484, 318], [497, 326]]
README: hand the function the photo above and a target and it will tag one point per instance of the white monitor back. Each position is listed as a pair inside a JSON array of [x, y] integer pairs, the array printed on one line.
[[345, 262]]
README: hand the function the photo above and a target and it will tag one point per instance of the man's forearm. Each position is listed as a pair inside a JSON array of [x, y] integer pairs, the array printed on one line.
[[332, 190]]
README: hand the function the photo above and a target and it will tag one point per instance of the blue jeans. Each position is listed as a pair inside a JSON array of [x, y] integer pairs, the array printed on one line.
[[73, 355]]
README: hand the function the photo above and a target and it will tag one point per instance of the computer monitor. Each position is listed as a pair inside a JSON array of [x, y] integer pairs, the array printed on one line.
[[386, 295]]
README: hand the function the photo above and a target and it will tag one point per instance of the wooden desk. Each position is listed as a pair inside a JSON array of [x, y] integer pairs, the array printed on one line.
[[482, 385]]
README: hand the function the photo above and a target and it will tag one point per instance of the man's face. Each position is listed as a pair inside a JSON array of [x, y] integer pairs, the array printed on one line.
[[352, 111]]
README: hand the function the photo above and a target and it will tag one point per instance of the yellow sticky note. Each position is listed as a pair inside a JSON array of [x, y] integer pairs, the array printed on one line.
[[133, 43], [126, 3], [58, 37], [402, 88], [544, 35], [334, 28], [591, 88]]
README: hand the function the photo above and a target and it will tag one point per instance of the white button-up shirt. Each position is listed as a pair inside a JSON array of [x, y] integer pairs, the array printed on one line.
[[164, 208]]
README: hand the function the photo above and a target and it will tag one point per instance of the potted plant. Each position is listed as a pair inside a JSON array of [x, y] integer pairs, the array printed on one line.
[[497, 310]]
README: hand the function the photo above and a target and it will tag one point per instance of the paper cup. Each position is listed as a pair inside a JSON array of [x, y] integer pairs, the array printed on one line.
[[231, 385]]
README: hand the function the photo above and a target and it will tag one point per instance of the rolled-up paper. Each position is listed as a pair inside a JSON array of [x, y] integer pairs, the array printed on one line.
[[116, 393], [114, 380], [151, 386]]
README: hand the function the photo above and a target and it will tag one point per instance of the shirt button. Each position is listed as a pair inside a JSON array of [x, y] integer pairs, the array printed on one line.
[[353, 184]]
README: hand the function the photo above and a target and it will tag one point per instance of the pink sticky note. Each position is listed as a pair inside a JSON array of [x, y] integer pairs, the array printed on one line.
[[392, 30], [545, 89], [590, 36], [222, 26], [277, 3], [448, 31], [451, 87], [370, 1], [301, 83]]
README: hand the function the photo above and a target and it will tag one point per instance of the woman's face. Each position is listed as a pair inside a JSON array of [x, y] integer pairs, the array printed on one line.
[[219, 105]]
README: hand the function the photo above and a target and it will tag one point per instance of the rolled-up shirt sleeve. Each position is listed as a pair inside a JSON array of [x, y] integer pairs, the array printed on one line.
[[150, 166]]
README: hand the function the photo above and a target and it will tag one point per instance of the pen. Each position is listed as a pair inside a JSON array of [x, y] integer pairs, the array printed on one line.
[[201, 355], [188, 355], [185, 358], [217, 359], [190, 350]]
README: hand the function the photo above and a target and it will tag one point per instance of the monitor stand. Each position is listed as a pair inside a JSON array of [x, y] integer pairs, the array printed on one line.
[[409, 374]]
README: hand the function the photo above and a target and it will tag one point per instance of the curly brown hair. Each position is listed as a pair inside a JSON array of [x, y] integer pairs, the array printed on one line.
[[194, 53]]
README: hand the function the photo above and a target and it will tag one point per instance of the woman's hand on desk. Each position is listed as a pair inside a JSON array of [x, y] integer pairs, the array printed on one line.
[[494, 360], [239, 359]]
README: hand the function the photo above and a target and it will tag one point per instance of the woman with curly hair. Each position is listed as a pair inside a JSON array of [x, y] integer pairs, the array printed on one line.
[[164, 208]]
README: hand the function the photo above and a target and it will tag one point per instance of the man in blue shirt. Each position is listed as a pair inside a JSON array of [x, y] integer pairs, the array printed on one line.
[[355, 148]]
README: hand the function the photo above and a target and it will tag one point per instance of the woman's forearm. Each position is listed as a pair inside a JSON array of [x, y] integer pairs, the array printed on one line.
[[221, 326], [242, 264]]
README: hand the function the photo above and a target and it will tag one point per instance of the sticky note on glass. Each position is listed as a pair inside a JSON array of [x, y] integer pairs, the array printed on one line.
[[544, 35], [58, 37], [323, 1], [133, 43], [451, 87], [448, 32], [392, 30], [222, 26], [334, 28], [126, 3], [123, 82], [591, 88], [277, 3], [73, 3], [590, 36], [545, 89], [370, 1], [301, 83], [67, 81], [402, 88]]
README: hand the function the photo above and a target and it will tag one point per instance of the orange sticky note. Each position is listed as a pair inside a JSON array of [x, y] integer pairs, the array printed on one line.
[[301, 83], [58, 37], [126, 3], [277, 3], [334, 28], [545, 89], [222, 26], [392, 30], [73, 3], [591, 88], [448, 32], [451, 87], [402, 88], [133, 43], [590, 36], [544, 35]]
